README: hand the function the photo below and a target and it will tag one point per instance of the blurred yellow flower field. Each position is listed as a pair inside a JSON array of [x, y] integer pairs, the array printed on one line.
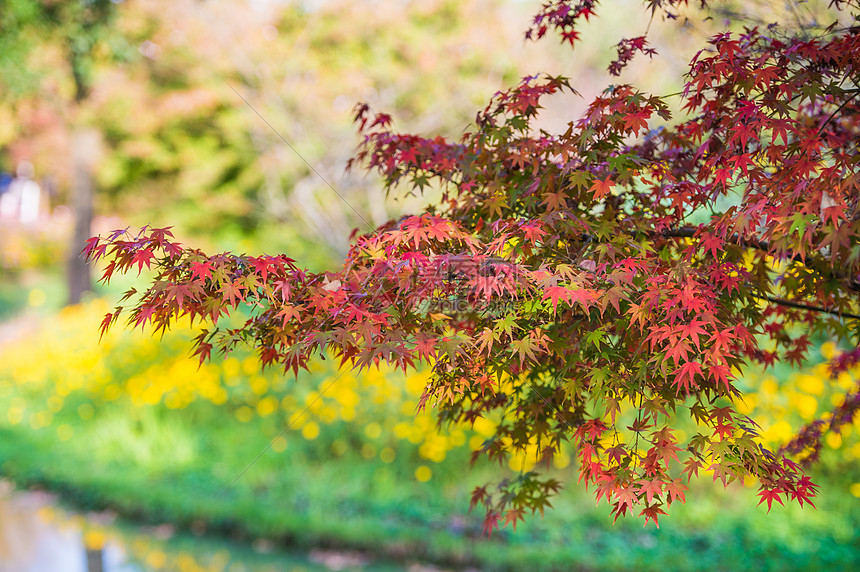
[[781, 406], [377, 408]]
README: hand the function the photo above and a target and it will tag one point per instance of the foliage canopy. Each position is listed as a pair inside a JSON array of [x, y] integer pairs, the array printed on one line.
[[593, 286]]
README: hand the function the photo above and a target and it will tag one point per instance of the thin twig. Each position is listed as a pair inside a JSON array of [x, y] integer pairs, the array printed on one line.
[[346, 202]]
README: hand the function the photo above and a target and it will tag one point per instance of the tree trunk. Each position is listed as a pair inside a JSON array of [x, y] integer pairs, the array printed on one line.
[[86, 149], [95, 560]]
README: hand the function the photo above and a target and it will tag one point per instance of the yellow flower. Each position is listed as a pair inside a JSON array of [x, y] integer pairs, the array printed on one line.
[[244, 414], [259, 385], [387, 455], [769, 386], [279, 445], [327, 414], [231, 367], [94, 539], [423, 473], [311, 431], [373, 430], [746, 404], [806, 406], [434, 448], [250, 366], [402, 430], [267, 406], [156, 559], [810, 384], [65, 432], [484, 427], [521, 461], [561, 460], [458, 438], [779, 432]]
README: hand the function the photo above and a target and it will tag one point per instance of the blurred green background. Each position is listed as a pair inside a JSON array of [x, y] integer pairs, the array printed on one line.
[[133, 113]]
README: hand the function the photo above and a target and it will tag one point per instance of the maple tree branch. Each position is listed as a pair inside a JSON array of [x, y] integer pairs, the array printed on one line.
[[763, 245], [690, 232], [810, 307], [837, 110]]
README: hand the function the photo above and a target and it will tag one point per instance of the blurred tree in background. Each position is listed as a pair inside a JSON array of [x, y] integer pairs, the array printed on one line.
[[302, 70], [49, 55], [163, 84]]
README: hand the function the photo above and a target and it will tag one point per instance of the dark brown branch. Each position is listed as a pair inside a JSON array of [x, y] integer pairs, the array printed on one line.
[[763, 245], [809, 307], [690, 232]]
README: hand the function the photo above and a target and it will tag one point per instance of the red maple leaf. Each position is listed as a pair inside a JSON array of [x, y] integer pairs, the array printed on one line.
[[625, 497], [637, 120], [556, 293], [232, 292], [770, 495], [601, 188], [650, 488], [202, 270], [513, 515], [142, 257], [675, 490], [685, 376], [651, 513], [425, 346]]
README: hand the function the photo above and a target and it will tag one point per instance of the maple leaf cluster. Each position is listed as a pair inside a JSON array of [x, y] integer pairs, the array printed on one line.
[[635, 262]]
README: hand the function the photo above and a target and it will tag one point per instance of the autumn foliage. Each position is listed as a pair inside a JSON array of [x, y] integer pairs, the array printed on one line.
[[592, 287]]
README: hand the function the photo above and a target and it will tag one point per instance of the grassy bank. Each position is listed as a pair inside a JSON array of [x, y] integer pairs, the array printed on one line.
[[353, 503]]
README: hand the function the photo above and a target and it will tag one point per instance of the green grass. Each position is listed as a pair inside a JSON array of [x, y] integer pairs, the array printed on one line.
[[46, 290], [154, 465]]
